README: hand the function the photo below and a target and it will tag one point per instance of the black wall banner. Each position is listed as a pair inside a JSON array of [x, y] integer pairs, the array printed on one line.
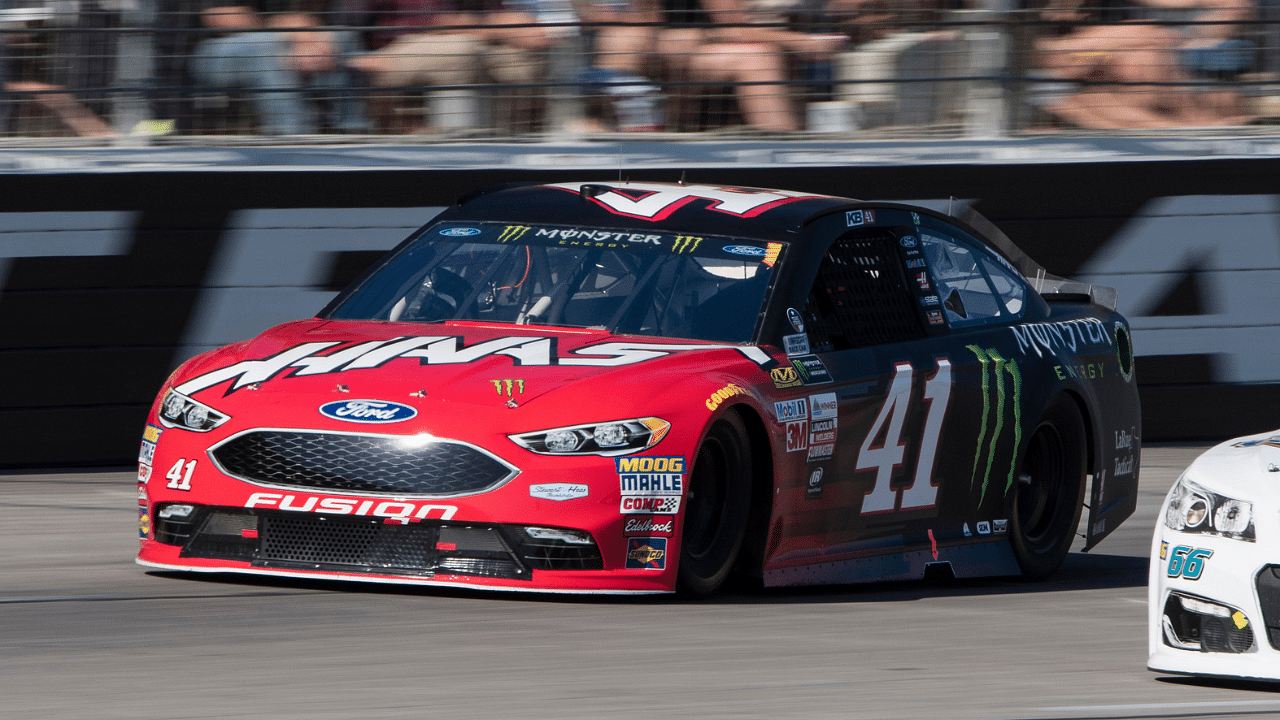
[[109, 280]]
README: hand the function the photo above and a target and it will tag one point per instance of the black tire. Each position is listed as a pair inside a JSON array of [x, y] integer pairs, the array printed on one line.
[[716, 507], [1044, 509]]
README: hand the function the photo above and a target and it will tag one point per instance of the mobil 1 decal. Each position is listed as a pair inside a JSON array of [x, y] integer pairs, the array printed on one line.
[[913, 392]]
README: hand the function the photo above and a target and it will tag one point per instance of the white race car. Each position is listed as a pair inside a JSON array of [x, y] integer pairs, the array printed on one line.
[[1213, 600]]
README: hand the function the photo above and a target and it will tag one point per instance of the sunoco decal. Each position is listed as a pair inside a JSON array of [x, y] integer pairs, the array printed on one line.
[[306, 359], [647, 553], [367, 411]]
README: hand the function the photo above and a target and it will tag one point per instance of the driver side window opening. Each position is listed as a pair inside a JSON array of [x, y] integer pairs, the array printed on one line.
[[974, 289], [861, 296]]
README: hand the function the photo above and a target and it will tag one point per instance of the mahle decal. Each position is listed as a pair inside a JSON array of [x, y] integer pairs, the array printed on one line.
[[991, 359]]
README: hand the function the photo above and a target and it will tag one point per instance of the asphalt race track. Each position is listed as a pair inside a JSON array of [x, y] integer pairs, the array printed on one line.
[[85, 633]]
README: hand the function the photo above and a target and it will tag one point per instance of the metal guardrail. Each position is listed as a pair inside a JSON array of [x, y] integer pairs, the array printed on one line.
[[161, 72]]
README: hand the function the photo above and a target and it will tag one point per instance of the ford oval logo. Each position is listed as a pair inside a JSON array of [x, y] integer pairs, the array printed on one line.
[[744, 250], [460, 232], [367, 411]]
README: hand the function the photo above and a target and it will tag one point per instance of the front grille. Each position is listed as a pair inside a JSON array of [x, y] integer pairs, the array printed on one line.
[[360, 463], [290, 540], [1268, 584]]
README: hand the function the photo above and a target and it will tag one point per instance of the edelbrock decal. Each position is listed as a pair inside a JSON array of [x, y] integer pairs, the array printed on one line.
[[367, 411], [441, 350]]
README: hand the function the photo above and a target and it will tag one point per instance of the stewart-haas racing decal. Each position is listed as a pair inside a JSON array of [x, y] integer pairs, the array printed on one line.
[[441, 350]]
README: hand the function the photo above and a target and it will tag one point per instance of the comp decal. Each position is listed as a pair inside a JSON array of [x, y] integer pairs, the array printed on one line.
[[992, 361], [650, 484], [306, 359], [649, 201]]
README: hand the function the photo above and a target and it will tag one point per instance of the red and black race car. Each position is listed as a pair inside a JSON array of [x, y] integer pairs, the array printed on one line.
[[640, 387]]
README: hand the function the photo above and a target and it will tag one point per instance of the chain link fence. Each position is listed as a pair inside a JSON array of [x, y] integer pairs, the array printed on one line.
[[314, 71]]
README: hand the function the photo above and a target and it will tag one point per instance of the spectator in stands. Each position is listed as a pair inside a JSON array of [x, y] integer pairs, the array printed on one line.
[[705, 41], [275, 54], [1127, 74], [17, 87], [414, 43]]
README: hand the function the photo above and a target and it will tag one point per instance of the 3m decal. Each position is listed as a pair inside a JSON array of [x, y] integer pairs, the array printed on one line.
[[1052, 337], [787, 410], [368, 411], [647, 553], [559, 492], [1188, 562], [508, 388], [391, 509], [179, 475], [649, 527], [889, 453], [718, 397], [656, 202], [303, 360], [998, 366], [512, 233], [644, 505], [854, 218], [797, 435], [784, 377], [685, 244]]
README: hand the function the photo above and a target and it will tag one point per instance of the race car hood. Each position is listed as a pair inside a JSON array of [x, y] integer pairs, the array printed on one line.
[[453, 364], [1247, 468]]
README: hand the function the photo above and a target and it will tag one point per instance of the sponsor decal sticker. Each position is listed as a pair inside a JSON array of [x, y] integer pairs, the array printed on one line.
[[718, 397], [1052, 337], [787, 410], [144, 473], [797, 435], [508, 388], [915, 264], [686, 244], [821, 452], [922, 280], [814, 489], [144, 523], [784, 377], [643, 505], [651, 201], [854, 218], [915, 218], [558, 491], [934, 317], [647, 553], [796, 344], [368, 411], [824, 406], [928, 300], [822, 432], [142, 494], [908, 241], [996, 367], [796, 320], [649, 527], [147, 453], [1241, 622], [460, 232], [984, 527], [152, 433], [745, 250], [1000, 527], [513, 232], [650, 475], [771, 254], [1164, 549], [810, 370], [967, 532]]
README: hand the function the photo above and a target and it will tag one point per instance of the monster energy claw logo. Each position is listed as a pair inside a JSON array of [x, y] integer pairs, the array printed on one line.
[[685, 244], [513, 232], [999, 366]]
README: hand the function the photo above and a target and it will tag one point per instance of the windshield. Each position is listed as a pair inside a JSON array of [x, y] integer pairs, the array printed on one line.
[[623, 281]]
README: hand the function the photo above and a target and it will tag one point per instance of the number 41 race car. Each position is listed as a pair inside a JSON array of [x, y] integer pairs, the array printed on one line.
[[641, 387]]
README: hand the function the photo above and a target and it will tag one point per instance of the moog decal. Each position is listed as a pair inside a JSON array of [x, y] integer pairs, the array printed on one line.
[[306, 359]]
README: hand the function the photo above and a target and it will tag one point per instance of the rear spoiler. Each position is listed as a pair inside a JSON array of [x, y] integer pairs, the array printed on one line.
[[1050, 287]]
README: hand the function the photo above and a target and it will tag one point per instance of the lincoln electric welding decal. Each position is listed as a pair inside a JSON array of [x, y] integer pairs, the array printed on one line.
[[650, 201], [441, 350], [650, 484]]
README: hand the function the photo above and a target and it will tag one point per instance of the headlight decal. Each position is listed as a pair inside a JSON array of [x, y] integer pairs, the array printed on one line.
[[615, 437], [1193, 509]]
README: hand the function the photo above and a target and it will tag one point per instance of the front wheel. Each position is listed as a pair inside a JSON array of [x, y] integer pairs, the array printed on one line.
[[717, 503], [1050, 491]]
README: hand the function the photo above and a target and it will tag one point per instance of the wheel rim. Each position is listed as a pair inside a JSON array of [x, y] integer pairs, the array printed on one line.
[[708, 488], [1040, 489]]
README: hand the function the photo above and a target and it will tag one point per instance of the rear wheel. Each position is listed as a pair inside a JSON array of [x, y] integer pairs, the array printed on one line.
[[1049, 493], [717, 504]]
